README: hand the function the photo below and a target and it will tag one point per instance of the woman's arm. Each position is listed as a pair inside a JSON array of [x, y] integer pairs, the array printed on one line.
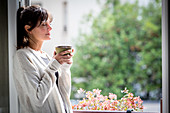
[[27, 76]]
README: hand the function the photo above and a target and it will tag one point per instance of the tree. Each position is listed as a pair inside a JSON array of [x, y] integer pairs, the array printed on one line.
[[123, 49]]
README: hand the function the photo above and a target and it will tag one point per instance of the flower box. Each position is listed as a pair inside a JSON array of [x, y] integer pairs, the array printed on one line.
[[105, 111], [94, 102]]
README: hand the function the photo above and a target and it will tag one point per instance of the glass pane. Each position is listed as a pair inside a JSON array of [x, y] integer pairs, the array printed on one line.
[[117, 45]]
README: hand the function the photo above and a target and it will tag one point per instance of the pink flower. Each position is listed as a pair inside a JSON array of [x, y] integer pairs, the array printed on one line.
[[89, 94], [136, 98], [105, 97], [130, 95], [114, 103], [100, 98], [96, 91], [140, 101], [112, 96]]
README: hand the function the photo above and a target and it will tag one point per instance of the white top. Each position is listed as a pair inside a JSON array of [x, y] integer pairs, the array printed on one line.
[[35, 83]]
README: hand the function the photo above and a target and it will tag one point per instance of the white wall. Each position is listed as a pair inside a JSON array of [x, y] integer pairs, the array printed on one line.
[[76, 9]]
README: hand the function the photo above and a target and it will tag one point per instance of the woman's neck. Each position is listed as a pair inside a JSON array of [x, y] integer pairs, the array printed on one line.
[[35, 45]]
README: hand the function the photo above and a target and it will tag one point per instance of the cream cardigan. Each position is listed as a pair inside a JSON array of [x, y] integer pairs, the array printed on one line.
[[35, 83]]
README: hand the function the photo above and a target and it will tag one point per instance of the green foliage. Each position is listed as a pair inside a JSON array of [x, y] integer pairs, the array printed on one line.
[[123, 49]]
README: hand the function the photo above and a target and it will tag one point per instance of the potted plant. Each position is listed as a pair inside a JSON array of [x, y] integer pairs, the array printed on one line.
[[94, 101]]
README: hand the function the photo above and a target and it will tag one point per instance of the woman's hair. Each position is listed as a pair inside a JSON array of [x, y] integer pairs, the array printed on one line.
[[32, 16]]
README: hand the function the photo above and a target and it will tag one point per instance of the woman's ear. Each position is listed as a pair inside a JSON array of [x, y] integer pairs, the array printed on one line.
[[27, 27]]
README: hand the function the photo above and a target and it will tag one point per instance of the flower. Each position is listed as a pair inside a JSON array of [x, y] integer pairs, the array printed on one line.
[[81, 91], [125, 90], [94, 100], [112, 96], [96, 91]]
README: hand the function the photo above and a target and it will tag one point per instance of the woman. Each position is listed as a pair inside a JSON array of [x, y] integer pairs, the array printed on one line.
[[43, 84]]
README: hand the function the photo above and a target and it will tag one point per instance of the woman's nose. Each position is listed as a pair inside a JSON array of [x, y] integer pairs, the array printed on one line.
[[49, 27]]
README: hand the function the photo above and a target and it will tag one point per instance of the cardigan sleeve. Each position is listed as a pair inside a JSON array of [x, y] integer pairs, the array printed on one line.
[[30, 84], [64, 84]]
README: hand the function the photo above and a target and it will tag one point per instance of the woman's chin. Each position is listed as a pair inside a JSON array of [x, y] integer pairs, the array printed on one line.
[[48, 38]]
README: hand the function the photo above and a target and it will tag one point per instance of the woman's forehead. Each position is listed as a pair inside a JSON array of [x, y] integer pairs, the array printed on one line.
[[46, 21]]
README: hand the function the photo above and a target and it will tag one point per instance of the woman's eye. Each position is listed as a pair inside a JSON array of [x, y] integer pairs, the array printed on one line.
[[44, 24]]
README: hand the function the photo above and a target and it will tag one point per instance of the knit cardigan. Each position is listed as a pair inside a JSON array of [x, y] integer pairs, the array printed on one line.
[[35, 83]]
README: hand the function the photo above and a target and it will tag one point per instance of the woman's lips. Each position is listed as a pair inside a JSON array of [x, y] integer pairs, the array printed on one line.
[[48, 34]]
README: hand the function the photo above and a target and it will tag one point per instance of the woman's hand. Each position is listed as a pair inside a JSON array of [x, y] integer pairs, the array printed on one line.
[[62, 58]]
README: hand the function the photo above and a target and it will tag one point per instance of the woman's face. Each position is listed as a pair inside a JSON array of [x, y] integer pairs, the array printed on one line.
[[41, 32]]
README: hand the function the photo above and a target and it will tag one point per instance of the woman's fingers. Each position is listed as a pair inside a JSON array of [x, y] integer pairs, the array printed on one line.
[[64, 57], [68, 61]]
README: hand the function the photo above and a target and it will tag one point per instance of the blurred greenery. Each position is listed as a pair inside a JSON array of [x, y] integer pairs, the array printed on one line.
[[122, 49]]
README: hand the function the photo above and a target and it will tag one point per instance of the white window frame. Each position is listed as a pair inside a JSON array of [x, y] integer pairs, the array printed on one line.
[[12, 8]]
